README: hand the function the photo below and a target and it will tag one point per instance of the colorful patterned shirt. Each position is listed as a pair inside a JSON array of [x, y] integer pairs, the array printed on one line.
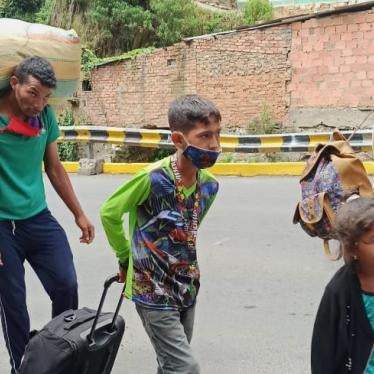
[[163, 272]]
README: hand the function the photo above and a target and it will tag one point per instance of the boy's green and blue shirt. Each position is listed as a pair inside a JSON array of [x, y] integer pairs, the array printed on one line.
[[163, 272]]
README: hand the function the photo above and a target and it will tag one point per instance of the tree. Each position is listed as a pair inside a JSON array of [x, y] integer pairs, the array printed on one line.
[[44, 13], [258, 10], [173, 20], [17, 8], [112, 27], [122, 25]]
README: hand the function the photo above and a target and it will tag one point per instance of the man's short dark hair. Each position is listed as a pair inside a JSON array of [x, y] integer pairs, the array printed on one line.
[[37, 67], [186, 111]]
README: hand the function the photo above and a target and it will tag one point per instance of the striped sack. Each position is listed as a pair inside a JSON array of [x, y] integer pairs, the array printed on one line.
[[62, 48]]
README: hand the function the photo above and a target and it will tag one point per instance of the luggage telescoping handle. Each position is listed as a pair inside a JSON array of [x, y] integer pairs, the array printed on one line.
[[108, 282]]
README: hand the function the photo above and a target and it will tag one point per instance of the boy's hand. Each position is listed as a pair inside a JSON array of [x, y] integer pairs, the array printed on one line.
[[122, 275]]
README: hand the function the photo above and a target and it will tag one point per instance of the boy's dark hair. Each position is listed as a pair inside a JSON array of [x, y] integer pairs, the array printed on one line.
[[353, 219], [37, 67], [186, 111]]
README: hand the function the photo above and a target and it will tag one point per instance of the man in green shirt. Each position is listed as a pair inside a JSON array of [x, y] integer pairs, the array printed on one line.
[[28, 231], [166, 203]]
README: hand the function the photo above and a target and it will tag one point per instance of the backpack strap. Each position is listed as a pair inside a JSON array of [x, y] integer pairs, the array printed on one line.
[[360, 125]]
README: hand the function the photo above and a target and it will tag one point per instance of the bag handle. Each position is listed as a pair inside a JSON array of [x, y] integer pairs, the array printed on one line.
[[73, 321], [359, 126], [108, 282], [328, 252]]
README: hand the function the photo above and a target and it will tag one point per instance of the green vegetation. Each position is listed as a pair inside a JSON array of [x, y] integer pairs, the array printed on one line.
[[114, 27], [90, 60], [121, 25], [173, 20], [68, 151], [43, 15], [127, 153], [258, 10], [23, 9], [227, 157], [264, 123]]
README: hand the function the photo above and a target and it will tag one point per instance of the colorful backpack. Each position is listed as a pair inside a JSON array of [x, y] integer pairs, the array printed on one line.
[[332, 173]]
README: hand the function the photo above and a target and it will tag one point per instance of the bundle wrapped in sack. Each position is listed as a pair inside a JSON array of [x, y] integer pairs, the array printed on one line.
[[62, 48]]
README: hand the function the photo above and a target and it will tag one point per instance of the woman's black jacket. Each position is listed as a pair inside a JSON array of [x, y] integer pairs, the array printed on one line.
[[342, 336]]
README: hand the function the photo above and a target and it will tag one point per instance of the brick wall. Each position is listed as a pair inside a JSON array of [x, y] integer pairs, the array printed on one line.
[[136, 92], [241, 72], [304, 73], [245, 72], [333, 61]]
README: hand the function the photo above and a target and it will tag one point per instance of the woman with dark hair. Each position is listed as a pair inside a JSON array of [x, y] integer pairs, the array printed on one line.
[[343, 335]]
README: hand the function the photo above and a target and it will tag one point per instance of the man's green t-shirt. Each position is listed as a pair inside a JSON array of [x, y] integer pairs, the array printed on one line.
[[22, 192]]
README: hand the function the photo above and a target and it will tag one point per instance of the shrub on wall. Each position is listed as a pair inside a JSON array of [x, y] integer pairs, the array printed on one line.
[[173, 20], [68, 151], [127, 153], [258, 10], [264, 123]]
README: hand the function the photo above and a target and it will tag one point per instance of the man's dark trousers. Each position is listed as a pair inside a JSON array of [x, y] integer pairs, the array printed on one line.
[[43, 243]]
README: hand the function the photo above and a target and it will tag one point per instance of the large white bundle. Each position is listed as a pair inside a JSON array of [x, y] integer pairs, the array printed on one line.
[[19, 39]]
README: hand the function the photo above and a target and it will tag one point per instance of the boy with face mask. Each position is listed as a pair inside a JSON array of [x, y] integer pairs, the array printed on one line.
[[166, 203]]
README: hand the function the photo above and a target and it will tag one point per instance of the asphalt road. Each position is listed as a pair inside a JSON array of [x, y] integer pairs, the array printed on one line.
[[262, 279]]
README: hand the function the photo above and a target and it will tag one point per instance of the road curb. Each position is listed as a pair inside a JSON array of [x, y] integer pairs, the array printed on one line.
[[234, 169]]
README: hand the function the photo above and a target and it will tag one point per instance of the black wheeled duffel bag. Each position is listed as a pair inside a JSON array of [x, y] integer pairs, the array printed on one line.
[[82, 341]]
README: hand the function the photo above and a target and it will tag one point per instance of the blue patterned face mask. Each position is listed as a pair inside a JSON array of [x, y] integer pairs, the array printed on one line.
[[201, 158]]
